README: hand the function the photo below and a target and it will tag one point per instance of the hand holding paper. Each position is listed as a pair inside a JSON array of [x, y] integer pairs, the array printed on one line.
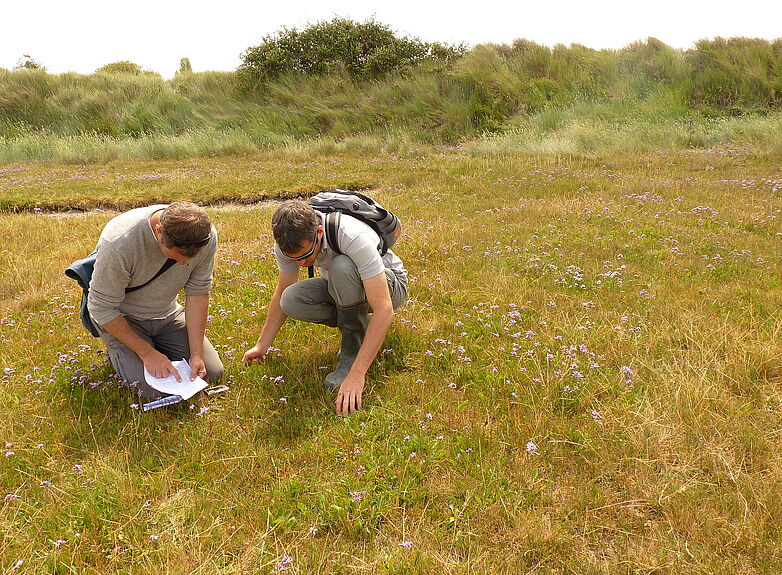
[[185, 388]]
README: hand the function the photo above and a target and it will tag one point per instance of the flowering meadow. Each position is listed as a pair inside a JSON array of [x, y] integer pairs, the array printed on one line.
[[586, 379]]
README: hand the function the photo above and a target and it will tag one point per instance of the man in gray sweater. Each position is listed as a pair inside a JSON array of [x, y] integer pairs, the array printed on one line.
[[147, 327]]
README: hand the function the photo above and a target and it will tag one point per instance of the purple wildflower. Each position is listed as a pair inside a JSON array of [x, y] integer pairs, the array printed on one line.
[[282, 564]]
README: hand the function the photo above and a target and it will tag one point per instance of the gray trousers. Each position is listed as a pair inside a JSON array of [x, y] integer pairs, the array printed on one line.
[[316, 300], [169, 337]]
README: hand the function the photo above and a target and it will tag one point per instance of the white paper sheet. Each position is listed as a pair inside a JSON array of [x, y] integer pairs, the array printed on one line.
[[185, 388]]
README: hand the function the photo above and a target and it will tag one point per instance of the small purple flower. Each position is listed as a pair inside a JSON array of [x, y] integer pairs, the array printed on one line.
[[17, 565], [282, 564], [532, 448], [628, 374], [45, 483], [153, 538], [406, 544], [77, 468], [60, 542], [11, 497]]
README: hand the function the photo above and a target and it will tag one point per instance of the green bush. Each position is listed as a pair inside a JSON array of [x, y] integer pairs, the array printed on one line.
[[364, 50], [123, 67]]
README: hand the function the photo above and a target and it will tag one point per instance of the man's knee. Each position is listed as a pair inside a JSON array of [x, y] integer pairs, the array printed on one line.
[[303, 303], [343, 268], [290, 302], [214, 370], [345, 284]]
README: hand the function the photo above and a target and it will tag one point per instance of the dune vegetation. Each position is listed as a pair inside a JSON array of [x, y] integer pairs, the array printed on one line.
[[315, 88]]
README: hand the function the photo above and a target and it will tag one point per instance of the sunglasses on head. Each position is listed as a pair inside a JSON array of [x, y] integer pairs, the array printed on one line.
[[187, 243]]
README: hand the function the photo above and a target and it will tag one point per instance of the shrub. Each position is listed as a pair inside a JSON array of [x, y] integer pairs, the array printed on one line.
[[123, 67], [27, 62], [126, 67], [185, 67], [364, 50]]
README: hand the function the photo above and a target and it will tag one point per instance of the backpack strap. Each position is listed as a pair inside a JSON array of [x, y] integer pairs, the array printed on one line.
[[332, 225], [330, 230], [167, 264]]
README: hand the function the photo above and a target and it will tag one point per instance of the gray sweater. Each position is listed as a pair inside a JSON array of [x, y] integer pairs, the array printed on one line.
[[129, 255]]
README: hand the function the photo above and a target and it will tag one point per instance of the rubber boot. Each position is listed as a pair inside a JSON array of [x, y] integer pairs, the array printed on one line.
[[352, 323]]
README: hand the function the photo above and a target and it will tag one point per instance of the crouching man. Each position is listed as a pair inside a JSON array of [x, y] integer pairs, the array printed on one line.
[[145, 257], [351, 284]]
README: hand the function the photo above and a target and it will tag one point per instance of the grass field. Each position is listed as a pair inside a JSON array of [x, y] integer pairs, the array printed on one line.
[[587, 378]]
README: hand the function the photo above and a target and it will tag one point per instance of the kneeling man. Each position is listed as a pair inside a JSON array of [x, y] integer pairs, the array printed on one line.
[[145, 257]]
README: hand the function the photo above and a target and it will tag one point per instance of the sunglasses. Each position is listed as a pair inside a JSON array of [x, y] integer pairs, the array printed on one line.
[[187, 243], [309, 253]]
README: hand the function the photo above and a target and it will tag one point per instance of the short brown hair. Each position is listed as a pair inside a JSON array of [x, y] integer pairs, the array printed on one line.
[[186, 222], [294, 222]]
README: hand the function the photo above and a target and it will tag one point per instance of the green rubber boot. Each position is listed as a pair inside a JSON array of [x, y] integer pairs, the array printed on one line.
[[352, 322]]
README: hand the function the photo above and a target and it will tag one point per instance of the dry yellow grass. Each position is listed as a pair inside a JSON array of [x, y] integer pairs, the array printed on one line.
[[586, 379]]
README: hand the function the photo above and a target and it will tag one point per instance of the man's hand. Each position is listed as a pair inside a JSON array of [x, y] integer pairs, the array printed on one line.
[[197, 367], [159, 365], [349, 396], [255, 353]]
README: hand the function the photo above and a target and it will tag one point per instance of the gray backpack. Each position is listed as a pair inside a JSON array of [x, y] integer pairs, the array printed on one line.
[[334, 203]]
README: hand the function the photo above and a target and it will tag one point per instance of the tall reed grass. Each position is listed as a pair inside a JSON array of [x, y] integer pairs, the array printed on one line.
[[646, 93]]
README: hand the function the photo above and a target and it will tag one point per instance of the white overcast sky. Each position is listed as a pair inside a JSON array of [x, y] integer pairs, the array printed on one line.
[[83, 35]]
